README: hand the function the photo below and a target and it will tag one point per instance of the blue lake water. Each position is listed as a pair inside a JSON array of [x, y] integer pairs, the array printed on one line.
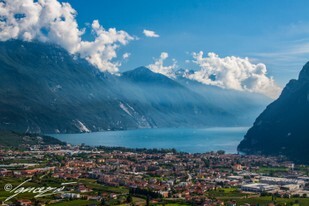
[[186, 140]]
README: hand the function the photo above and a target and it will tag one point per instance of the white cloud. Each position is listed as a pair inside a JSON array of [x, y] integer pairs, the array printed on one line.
[[55, 22], [126, 55], [150, 33], [234, 73], [158, 66]]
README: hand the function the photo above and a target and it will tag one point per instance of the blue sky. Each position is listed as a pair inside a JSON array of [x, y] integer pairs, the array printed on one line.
[[272, 32]]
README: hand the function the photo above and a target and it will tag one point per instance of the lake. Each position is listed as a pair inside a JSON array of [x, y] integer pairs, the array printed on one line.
[[186, 140]]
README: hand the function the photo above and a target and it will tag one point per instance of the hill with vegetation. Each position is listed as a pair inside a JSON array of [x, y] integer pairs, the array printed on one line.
[[283, 128], [14, 139]]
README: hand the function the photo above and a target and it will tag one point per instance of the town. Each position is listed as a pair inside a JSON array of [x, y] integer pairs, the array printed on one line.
[[122, 176]]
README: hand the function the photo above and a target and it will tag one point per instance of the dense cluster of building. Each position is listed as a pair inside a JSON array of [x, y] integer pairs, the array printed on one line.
[[170, 175]]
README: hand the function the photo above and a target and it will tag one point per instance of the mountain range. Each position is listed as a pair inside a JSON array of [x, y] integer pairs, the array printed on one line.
[[44, 89], [283, 128]]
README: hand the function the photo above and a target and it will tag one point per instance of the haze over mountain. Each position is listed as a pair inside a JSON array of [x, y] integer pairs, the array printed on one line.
[[283, 128], [46, 89], [243, 105]]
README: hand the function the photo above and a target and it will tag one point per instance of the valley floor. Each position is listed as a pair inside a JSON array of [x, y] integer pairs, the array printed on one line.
[[122, 176]]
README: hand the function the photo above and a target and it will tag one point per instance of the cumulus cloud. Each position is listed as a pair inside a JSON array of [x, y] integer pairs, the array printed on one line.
[[126, 55], [234, 73], [55, 22], [158, 66], [150, 33]]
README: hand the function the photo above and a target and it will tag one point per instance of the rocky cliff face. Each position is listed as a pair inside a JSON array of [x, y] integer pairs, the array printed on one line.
[[283, 128]]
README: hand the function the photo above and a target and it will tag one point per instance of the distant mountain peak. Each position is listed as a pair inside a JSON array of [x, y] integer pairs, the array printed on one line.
[[144, 75], [142, 69]]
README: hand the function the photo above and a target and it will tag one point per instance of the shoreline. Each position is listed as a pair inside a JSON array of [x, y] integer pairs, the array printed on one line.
[[189, 140]]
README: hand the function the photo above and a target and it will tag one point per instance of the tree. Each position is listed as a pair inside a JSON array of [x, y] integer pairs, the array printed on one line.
[[206, 162], [103, 202], [148, 200], [129, 198]]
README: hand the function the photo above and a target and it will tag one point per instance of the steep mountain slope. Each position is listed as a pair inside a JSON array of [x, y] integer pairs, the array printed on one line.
[[46, 90], [283, 128], [165, 99], [245, 106]]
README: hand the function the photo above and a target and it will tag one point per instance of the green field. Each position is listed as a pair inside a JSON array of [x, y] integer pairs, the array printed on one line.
[[226, 193], [103, 188], [272, 170], [75, 203]]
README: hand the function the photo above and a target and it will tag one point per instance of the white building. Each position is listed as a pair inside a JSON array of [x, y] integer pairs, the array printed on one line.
[[290, 187], [281, 181], [70, 195], [258, 187]]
